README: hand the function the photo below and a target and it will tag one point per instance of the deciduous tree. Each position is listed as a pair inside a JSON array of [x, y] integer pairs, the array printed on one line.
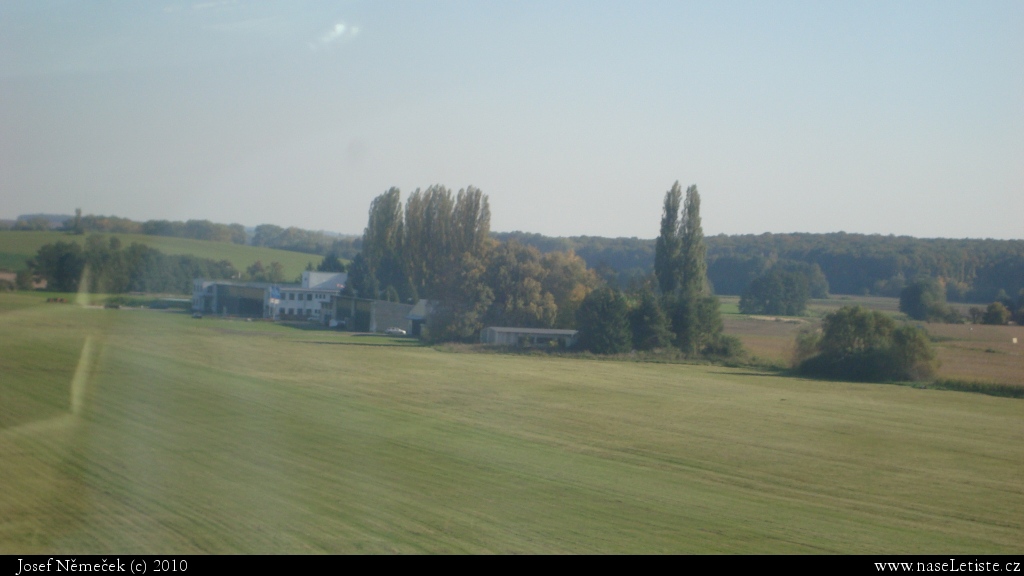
[[925, 299], [568, 280], [776, 292], [649, 325], [863, 345], [603, 323], [996, 313], [515, 275]]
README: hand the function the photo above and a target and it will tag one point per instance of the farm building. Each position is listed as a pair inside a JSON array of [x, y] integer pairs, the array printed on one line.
[[418, 316], [505, 336], [267, 300], [365, 315]]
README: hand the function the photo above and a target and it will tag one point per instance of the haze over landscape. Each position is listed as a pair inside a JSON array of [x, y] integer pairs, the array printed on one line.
[[574, 117], [788, 321]]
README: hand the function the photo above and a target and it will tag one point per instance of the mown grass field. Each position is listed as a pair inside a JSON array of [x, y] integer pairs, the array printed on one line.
[[141, 431], [16, 247], [969, 352]]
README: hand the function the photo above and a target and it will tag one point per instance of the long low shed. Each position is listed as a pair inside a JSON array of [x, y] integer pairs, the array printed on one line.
[[507, 336]]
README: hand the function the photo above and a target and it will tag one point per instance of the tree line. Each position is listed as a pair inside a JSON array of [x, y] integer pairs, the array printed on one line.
[[296, 239], [968, 270], [971, 270], [266, 235], [104, 265], [195, 229], [925, 299]]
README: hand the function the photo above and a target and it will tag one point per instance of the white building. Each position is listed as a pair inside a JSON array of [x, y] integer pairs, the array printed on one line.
[[266, 300], [528, 337]]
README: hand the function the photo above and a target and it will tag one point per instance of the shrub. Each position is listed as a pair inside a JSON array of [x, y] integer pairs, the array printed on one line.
[[806, 346], [996, 313], [861, 345], [724, 346], [925, 299]]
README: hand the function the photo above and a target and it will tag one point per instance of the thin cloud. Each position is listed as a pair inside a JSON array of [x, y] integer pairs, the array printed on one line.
[[340, 31]]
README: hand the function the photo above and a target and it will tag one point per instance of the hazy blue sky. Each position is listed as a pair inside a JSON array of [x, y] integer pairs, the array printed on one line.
[[899, 117]]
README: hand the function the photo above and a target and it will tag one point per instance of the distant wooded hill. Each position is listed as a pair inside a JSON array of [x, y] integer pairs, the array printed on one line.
[[291, 239], [972, 270], [17, 247]]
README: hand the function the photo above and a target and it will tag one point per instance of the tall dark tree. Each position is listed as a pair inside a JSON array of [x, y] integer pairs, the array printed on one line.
[[603, 323], [695, 315], [692, 252], [649, 325], [76, 225], [361, 282], [462, 252], [383, 240], [668, 248], [61, 265], [437, 250], [429, 254], [331, 263]]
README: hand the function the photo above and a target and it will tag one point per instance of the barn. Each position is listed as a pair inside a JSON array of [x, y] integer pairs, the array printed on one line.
[[528, 337]]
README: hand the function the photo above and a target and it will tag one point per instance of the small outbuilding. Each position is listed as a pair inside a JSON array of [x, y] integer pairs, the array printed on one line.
[[528, 337]]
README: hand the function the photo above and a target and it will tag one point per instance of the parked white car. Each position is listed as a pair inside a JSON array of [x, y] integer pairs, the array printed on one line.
[[395, 332]]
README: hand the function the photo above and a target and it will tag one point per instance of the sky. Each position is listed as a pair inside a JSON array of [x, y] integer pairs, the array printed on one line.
[[574, 117]]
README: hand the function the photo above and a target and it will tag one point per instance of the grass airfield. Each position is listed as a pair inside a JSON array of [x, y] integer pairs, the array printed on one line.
[[150, 432]]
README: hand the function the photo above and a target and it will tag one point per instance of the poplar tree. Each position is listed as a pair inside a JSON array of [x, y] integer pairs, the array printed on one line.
[[680, 263], [693, 266], [667, 249], [383, 243]]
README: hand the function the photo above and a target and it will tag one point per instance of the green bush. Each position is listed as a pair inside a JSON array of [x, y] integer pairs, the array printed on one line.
[[864, 346], [724, 346], [925, 299], [996, 313]]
